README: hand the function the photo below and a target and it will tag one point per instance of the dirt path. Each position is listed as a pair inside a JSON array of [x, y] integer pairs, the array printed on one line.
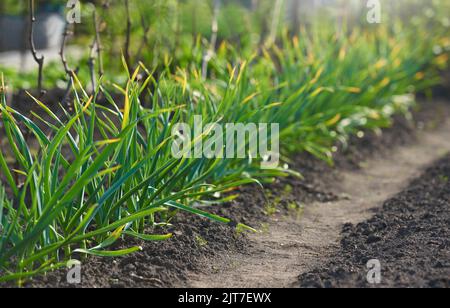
[[293, 246], [409, 237]]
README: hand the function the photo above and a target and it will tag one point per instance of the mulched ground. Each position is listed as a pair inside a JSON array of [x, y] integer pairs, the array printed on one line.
[[410, 236]]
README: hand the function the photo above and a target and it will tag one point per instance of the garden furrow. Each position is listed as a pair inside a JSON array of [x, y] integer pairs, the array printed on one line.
[[291, 246]]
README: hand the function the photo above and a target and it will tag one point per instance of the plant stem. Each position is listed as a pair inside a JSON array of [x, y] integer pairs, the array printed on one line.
[[95, 51], [39, 60], [69, 72], [128, 36]]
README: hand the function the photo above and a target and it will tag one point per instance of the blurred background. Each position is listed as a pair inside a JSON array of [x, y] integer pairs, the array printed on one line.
[[182, 29]]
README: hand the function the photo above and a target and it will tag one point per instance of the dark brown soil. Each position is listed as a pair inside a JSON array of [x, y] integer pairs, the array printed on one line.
[[23, 103], [410, 236], [197, 241], [163, 264]]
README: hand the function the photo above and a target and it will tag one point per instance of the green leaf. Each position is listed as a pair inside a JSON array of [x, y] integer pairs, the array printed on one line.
[[105, 253], [150, 238]]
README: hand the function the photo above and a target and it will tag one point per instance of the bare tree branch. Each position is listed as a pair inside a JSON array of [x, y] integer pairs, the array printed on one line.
[[146, 28], [95, 51], [67, 69], [39, 60], [62, 54], [99, 45], [128, 36]]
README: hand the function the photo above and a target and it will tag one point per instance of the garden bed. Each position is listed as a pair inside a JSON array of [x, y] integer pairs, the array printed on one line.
[[106, 163], [199, 243]]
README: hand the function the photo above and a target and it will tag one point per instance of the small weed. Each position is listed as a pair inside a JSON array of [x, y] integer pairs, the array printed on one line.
[[201, 242]]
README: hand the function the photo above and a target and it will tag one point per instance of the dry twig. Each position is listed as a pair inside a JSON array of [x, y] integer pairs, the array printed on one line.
[[39, 60]]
